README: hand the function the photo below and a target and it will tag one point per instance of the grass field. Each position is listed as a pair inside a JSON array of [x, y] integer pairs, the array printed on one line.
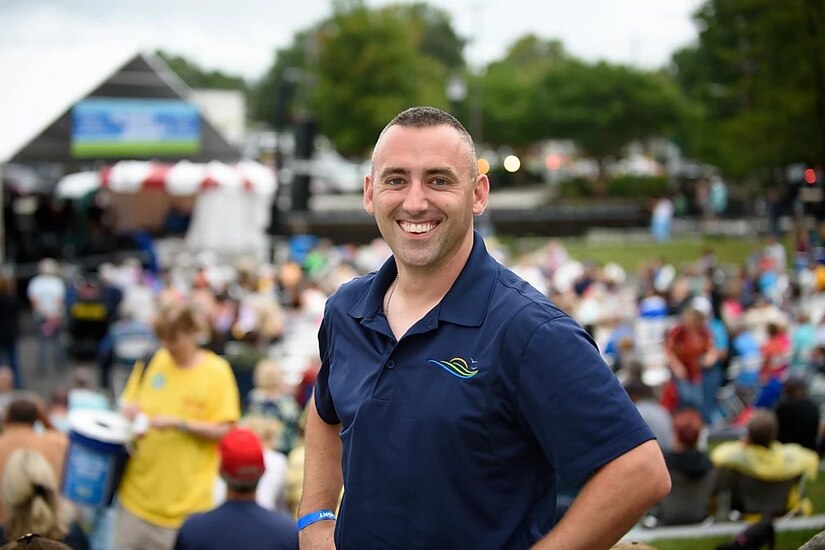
[[632, 253], [679, 252], [790, 540]]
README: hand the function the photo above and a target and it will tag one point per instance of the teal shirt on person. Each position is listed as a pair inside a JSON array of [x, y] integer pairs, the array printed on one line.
[[803, 340]]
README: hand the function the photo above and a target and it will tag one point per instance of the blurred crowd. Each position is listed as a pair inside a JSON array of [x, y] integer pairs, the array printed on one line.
[[723, 357]]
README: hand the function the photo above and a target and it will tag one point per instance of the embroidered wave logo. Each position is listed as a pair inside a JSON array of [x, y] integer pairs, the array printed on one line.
[[457, 366]]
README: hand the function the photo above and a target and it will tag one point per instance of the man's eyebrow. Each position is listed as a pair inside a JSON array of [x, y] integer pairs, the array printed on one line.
[[442, 171], [391, 170]]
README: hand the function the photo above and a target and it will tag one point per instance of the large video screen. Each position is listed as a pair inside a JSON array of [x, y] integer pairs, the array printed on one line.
[[113, 127]]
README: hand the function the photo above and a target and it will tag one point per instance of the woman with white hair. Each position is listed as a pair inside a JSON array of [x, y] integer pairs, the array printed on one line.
[[33, 503]]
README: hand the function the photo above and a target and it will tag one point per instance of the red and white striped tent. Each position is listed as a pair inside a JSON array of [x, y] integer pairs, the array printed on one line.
[[141, 193], [179, 179]]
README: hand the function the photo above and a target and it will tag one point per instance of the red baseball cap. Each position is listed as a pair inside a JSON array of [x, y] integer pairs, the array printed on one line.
[[242, 457]]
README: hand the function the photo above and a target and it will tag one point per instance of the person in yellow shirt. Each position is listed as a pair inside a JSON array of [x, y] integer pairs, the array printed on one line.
[[761, 456], [187, 399]]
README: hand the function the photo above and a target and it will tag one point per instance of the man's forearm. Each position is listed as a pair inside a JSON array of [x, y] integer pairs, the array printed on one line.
[[322, 464], [612, 501]]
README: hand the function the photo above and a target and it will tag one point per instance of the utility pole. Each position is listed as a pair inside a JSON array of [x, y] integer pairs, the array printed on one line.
[[477, 93]]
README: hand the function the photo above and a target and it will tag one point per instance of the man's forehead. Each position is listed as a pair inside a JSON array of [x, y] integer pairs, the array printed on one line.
[[395, 141], [397, 131]]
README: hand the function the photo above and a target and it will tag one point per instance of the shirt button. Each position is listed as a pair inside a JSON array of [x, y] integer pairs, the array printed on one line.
[[390, 364]]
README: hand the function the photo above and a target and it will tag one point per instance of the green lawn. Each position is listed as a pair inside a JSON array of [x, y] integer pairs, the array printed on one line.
[[790, 540], [679, 252], [631, 254]]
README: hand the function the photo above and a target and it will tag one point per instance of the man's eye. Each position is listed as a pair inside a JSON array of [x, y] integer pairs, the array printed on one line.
[[395, 181], [440, 182]]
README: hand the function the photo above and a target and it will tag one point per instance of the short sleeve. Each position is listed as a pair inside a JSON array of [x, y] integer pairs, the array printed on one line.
[[572, 403], [323, 397], [226, 406], [130, 390]]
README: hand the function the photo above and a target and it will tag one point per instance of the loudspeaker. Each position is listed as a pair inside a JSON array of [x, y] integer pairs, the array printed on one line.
[[305, 131]]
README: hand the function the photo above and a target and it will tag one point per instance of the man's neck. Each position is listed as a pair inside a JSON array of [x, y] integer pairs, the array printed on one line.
[[237, 496], [428, 285], [18, 426], [417, 291]]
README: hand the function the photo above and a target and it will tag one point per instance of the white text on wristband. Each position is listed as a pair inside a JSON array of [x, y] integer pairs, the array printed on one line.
[[312, 517]]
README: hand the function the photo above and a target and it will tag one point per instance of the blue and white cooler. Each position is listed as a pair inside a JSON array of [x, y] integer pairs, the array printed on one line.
[[96, 457]]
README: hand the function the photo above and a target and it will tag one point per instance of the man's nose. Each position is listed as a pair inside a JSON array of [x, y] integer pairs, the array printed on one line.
[[416, 198]]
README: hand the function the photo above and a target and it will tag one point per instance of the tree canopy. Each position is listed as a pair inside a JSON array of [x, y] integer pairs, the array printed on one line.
[[757, 72], [538, 91], [356, 69], [749, 95], [509, 85], [604, 107], [197, 77]]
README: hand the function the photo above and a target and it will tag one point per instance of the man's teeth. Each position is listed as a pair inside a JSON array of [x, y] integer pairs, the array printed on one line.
[[417, 227]]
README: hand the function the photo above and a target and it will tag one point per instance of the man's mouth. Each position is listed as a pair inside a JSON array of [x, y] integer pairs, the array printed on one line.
[[417, 228]]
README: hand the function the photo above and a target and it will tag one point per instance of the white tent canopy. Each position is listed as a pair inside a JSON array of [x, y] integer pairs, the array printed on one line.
[[43, 82]]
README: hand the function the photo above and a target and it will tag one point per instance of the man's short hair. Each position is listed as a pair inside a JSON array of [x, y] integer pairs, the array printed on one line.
[[637, 390], [430, 117], [795, 387], [763, 427], [687, 426], [22, 410]]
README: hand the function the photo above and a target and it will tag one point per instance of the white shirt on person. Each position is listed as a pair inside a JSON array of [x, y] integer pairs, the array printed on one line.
[[47, 294]]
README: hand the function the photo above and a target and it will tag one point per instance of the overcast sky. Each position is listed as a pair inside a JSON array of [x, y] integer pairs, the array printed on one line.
[[241, 36]]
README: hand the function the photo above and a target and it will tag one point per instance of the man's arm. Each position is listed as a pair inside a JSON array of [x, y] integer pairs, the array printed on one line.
[[612, 501], [322, 478]]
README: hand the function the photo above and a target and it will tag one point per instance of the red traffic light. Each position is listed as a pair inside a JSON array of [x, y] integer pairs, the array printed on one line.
[[810, 176]]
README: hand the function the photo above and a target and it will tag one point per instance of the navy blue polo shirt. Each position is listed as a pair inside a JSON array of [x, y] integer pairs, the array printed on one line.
[[457, 435]]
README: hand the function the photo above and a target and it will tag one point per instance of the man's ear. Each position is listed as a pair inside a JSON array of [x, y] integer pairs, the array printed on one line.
[[368, 206], [481, 194]]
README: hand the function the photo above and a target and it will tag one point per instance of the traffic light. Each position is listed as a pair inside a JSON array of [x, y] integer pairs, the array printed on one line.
[[810, 176]]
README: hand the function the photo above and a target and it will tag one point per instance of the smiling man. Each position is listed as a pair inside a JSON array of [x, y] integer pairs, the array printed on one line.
[[454, 397]]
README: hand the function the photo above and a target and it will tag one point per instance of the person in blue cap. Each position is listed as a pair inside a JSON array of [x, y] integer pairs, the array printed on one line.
[[454, 399]]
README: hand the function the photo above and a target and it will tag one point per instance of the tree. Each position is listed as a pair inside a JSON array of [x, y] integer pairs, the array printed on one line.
[[757, 71], [433, 34], [196, 77], [357, 68], [604, 107], [369, 69], [509, 85], [273, 98]]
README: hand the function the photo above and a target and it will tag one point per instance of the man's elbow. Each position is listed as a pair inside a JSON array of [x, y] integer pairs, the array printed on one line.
[[645, 470], [661, 485], [657, 477]]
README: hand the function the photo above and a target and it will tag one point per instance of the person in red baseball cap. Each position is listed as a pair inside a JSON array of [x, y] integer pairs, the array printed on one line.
[[239, 522], [242, 459]]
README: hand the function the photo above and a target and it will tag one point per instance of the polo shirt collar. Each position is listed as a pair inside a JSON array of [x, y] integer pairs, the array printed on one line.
[[465, 303], [372, 301]]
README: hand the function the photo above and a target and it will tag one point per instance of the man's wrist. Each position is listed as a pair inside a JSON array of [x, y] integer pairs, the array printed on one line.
[[314, 517], [183, 425]]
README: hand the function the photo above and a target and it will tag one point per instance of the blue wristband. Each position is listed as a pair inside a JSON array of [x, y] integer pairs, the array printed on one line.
[[312, 517]]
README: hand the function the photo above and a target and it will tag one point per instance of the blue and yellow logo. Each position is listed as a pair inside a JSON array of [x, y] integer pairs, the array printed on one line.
[[457, 367]]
